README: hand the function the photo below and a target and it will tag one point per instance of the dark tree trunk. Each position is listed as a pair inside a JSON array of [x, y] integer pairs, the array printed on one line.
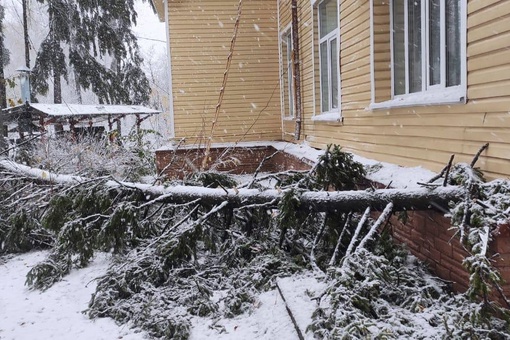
[[25, 34], [336, 201], [3, 92], [323, 201]]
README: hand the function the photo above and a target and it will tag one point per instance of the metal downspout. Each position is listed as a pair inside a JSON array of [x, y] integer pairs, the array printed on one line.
[[296, 63]]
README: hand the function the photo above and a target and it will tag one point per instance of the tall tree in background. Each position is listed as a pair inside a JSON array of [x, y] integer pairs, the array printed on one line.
[[83, 35], [4, 60]]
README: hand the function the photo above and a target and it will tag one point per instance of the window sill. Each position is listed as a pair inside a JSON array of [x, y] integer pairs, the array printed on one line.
[[329, 117], [438, 97], [288, 118]]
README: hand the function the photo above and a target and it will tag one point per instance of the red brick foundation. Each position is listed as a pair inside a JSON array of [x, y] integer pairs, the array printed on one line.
[[179, 163], [428, 237], [427, 234]]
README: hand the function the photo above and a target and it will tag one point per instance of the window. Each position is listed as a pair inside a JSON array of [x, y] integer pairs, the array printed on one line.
[[287, 74], [328, 55], [427, 51]]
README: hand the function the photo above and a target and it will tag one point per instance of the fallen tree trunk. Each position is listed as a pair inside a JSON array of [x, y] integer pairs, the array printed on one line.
[[339, 201]]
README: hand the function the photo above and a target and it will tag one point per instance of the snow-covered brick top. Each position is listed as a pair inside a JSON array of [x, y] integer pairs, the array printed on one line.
[[385, 173]]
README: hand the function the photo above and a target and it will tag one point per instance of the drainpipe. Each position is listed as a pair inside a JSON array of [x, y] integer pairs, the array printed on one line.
[[296, 64]]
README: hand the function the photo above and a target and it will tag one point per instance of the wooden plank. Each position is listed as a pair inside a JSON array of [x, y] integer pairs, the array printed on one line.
[[489, 75], [490, 90], [489, 28], [488, 13], [489, 45], [501, 57]]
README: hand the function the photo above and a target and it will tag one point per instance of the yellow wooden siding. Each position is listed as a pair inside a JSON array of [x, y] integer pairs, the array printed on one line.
[[200, 37], [423, 135], [382, 50], [420, 135], [308, 66]]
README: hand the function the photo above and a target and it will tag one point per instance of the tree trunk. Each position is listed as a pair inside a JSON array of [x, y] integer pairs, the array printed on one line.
[[25, 33], [322, 201], [57, 83], [3, 92]]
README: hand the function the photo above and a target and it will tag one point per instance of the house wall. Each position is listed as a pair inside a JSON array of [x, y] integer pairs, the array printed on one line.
[[417, 135], [308, 68], [200, 37]]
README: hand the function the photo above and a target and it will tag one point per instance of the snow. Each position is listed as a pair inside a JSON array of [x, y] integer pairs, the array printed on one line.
[[270, 319], [327, 117], [56, 313], [395, 176], [75, 109], [451, 95]]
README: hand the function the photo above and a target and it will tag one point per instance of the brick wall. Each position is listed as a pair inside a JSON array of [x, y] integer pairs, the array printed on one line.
[[179, 163], [427, 234], [428, 237]]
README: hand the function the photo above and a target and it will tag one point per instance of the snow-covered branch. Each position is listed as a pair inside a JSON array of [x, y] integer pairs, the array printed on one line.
[[356, 200]]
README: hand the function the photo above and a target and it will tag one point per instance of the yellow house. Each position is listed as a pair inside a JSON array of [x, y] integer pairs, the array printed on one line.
[[403, 81]]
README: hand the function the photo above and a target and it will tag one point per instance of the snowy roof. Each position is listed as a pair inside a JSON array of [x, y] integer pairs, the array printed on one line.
[[90, 110], [75, 110]]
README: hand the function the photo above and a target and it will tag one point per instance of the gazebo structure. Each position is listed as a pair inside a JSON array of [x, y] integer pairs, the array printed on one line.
[[36, 117]]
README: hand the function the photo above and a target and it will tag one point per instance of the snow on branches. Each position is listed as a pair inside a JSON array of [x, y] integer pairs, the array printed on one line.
[[189, 251]]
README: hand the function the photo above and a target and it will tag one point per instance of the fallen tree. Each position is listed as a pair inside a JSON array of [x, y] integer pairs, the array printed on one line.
[[320, 201], [177, 247]]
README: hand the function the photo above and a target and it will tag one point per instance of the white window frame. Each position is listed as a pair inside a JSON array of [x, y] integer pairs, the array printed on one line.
[[287, 91], [331, 114], [430, 94]]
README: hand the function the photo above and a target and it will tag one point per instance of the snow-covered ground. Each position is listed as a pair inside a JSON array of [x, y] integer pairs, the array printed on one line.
[[57, 313]]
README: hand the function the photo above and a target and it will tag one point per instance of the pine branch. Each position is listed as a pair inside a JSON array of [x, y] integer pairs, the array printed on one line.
[[339, 241], [382, 218], [360, 225]]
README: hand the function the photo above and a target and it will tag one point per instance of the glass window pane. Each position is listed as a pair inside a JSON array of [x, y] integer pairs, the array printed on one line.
[[290, 74], [334, 74], [324, 77], [414, 46], [399, 54], [434, 42], [453, 42], [328, 17]]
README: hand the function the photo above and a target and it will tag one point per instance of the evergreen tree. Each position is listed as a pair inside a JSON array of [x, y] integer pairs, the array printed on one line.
[[82, 35]]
